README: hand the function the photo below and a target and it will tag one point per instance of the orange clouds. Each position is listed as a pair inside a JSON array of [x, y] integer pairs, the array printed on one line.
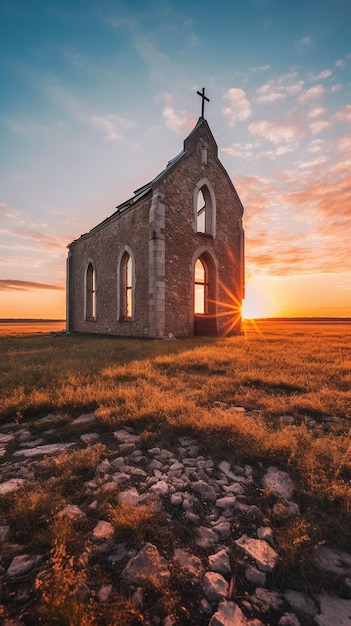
[[26, 285]]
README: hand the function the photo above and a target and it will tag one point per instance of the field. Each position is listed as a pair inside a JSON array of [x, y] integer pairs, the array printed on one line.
[[293, 379]]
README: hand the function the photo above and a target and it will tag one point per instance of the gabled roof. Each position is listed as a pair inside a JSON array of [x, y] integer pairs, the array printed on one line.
[[145, 189]]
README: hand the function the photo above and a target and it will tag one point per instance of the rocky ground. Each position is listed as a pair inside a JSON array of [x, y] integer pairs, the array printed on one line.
[[227, 560]]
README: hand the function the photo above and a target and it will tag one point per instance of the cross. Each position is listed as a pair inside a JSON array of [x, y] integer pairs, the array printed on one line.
[[202, 94]]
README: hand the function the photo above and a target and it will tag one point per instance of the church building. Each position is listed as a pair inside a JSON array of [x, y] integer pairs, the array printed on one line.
[[170, 260]]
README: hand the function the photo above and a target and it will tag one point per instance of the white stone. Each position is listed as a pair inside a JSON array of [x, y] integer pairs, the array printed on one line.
[[123, 436], [335, 561], [265, 533], [301, 602], [204, 490], [278, 482], [129, 497], [219, 562], [86, 418], [22, 563], [89, 438], [230, 614], [333, 611], [103, 530], [226, 503], [176, 498], [188, 561], [71, 510], [50, 448], [145, 566], [266, 558], [120, 477], [160, 488], [215, 587], [254, 576], [206, 537], [10, 485], [6, 437]]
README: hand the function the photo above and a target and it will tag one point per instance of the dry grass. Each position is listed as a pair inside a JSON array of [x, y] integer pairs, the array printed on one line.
[[166, 388]]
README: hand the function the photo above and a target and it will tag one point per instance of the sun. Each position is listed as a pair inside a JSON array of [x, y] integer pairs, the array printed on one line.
[[255, 304]]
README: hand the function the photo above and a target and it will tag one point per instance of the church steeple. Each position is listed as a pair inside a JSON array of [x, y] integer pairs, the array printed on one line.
[[202, 95]]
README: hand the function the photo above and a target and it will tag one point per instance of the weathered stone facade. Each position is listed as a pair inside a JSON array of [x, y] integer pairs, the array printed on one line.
[[134, 274]]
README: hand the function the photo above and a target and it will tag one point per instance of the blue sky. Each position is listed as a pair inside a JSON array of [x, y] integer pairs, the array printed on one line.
[[97, 96]]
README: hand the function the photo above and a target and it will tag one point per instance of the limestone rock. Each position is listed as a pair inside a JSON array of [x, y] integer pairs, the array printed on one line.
[[22, 563], [279, 483], [204, 490], [10, 485], [103, 530], [333, 611], [219, 562], [335, 561], [72, 510], [230, 614], [215, 587], [148, 564], [266, 558], [190, 562]]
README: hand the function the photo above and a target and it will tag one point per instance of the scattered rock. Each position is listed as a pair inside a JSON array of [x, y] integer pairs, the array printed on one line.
[[146, 566], [215, 587], [279, 483], [266, 558]]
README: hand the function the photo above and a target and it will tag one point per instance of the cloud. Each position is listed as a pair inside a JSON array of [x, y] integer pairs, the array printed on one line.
[[26, 285], [317, 127], [314, 93], [280, 88], [312, 163], [180, 121], [344, 115], [24, 125], [276, 132], [113, 126], [7, 212], [239, 106], [303, 43], [260, 68], [322, 75], [317, 112]]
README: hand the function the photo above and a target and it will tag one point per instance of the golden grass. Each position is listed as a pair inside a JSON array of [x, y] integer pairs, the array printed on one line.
[[166, 388]]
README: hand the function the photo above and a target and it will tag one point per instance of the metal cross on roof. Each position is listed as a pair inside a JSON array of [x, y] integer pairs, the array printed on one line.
[[202, 94]]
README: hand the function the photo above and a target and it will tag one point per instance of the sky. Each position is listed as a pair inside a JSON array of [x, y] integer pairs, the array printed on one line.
[[97, 96]]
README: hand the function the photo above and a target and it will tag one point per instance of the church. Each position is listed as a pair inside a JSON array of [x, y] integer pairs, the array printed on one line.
[[169, 262]]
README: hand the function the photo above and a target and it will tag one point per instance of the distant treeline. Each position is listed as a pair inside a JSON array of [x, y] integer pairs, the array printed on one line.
[[26, 320]]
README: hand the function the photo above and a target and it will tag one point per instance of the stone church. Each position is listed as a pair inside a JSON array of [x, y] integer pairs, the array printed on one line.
[[170, 260]]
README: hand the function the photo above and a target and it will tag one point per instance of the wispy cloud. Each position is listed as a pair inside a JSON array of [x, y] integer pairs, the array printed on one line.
[[304, 42], [238, 107], [112, 125], [311, 94], [322, 75], [276, 132], [26, 285], [178, 121], [279, 88]]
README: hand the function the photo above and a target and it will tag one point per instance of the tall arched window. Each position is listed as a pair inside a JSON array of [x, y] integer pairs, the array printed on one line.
[[90, 293], [204, 208], [126, 287], [205, 300], [201, 288], [201, 213]]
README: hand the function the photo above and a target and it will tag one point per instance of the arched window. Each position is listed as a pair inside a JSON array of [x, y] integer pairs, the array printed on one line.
[[201, 288], [201, 213], [205, 294], [90, 293], [126, 286], [204, 208]]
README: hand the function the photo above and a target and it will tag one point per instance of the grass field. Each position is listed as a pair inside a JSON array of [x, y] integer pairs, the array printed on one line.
[[164, 388]]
